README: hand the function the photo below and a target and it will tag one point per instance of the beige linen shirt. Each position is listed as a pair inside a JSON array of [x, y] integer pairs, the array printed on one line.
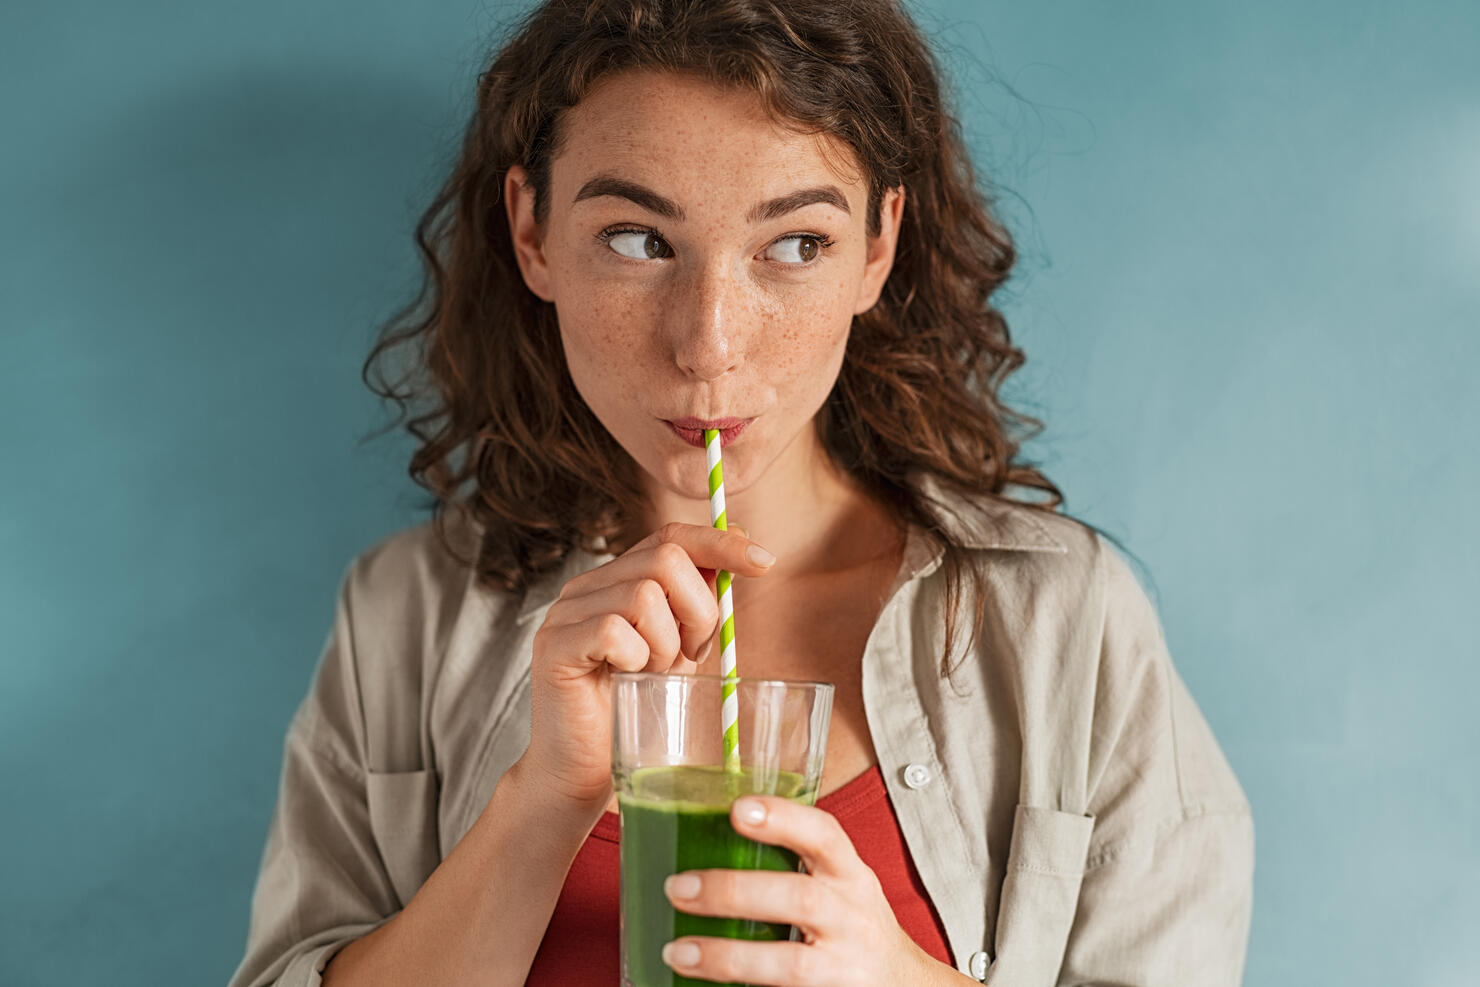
[[1064, 801]]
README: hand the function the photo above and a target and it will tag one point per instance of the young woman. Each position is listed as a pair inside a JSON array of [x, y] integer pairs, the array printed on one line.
[[760, 217]]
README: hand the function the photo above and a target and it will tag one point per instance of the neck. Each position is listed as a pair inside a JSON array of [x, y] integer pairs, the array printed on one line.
[[808, 512]]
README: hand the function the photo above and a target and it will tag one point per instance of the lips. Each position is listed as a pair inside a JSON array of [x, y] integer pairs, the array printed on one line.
[[691, 430], [701, 424]]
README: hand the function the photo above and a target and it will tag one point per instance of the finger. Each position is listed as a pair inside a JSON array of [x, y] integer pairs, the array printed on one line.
[[672, 555], [814, 834], [708, 648], [697, 611], [710, 548], [605, 638], [707, 548], [708, 573], [763, 895], [689, 598], [740, 962], [643, 603]]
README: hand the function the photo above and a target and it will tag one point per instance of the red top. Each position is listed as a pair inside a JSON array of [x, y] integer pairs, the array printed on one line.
[[580, 945]]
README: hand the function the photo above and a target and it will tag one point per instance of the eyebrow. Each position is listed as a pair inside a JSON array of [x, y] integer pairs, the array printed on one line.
[[759, 213]]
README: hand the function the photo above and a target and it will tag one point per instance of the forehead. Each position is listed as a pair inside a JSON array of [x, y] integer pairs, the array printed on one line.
[[684, 133]]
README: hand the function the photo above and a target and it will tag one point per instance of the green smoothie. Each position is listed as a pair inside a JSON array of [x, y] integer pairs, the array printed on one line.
[[676, 819]]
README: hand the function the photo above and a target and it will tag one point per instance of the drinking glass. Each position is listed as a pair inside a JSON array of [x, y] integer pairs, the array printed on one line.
[[674, 792]]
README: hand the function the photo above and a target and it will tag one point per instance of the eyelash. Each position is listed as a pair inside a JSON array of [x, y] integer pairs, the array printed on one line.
[[824, 242]]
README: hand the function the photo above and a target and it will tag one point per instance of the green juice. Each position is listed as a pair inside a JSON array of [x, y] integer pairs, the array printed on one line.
[[676, 819]]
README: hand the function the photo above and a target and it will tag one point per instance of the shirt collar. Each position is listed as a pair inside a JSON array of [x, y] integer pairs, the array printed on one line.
[[986, 521], [973, 522]]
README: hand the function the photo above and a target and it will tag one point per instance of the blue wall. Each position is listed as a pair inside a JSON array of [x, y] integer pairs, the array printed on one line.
[[1251, 252]]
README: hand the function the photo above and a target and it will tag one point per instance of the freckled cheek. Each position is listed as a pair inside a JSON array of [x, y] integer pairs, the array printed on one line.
[[600, 324], [809, 338]]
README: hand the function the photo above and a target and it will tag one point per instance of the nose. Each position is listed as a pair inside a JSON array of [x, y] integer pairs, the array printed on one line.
[[704, 323]]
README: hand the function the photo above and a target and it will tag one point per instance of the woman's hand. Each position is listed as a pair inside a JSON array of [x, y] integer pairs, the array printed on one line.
[[650, 609], [850, 934]]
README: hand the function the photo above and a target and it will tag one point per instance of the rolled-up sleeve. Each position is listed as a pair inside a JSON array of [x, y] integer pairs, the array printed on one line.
[[1167, 891], [1172, 911], [322, 882]]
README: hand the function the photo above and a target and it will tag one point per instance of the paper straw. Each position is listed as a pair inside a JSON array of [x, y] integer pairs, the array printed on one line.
[[729, 713]]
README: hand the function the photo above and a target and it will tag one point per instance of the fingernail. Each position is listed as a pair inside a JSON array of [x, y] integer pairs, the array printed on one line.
[[704, 651], [751, 811], [759, 556], [680, 954], [681, 886]]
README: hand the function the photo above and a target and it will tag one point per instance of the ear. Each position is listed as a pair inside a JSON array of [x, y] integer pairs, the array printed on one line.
[[879, 259], [525, 233]]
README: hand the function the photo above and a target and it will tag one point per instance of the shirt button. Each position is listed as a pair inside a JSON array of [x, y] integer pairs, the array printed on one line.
[[978, 966], [917, 776]]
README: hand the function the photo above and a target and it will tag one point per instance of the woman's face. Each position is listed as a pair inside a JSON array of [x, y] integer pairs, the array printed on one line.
[[704, 264]]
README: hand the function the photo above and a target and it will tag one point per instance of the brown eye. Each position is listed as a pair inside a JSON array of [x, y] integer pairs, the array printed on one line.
[[636, 244], [798, 250], [653, 246]]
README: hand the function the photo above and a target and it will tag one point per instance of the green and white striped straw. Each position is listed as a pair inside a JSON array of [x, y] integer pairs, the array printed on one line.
[[729, 712]]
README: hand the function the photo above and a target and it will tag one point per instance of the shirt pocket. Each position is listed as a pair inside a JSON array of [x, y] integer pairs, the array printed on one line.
[[1045, 865], [403, 820]]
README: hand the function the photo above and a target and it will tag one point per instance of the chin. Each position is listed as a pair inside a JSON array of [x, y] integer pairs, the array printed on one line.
[[678, 468], [685, 476], [675, 473]]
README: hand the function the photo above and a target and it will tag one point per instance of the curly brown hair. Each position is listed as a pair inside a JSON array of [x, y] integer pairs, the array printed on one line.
[[505, 437]]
